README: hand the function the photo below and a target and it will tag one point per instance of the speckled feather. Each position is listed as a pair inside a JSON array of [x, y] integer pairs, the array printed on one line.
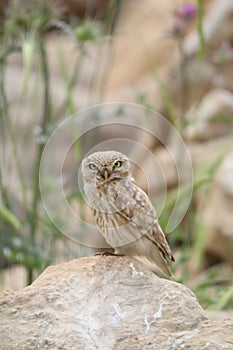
[[123, 211]]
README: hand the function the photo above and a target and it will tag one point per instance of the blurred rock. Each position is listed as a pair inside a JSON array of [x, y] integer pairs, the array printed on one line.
[[107, 303], [213, 150], [218, 216], [209, 73], [84, 8], [161, 175], [13, 277], [213, 117], [216, 26], [138, 48], [210, 285], [220, 315], [213, 71]]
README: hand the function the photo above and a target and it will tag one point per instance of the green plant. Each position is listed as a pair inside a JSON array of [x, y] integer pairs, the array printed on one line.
[[30, 238]]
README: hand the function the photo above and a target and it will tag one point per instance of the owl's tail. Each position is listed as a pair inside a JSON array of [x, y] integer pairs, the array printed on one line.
[[161, 262], [155, 257], [148, 253], [155, 262]]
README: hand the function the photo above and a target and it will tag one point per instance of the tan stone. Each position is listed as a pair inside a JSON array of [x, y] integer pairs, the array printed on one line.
[[107, 303], [218, 214], [213, 117]]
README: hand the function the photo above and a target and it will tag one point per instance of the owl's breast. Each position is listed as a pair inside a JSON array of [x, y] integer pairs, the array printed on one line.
[[96, 197], [116, 229]]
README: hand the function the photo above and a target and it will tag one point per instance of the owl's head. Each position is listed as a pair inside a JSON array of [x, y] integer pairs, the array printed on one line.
[[102, 167]]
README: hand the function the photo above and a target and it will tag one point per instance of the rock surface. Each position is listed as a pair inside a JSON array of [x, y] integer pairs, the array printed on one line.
[[107, 303], [218, 214], [213, 117]]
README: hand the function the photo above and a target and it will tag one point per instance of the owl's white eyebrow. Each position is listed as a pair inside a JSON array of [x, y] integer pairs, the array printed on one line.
[[91, 163]]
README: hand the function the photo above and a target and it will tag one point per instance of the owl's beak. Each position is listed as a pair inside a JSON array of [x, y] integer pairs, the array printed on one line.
[[106, 174]]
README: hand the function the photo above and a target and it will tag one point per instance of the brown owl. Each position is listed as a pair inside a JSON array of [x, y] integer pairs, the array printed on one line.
[[122, 210]]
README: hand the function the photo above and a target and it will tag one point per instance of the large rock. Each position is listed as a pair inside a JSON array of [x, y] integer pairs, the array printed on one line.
[[107, 303]]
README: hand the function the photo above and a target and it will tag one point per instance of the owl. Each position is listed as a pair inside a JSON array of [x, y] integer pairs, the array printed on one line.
[[122, 210]]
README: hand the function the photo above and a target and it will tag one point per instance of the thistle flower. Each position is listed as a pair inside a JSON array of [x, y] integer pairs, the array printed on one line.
[[183, 16], [185, 13]]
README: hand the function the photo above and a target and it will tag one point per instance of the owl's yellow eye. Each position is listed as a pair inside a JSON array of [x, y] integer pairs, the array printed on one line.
[[92, 166], [118, 164]]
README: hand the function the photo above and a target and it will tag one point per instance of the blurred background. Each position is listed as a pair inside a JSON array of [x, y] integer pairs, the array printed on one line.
[[175, 57]]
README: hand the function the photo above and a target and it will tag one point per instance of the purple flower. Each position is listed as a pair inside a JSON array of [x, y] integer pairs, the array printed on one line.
[[186, 12], [183, 15]]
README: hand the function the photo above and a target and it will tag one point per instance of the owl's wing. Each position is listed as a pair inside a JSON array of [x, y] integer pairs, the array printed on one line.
[[132, 203]]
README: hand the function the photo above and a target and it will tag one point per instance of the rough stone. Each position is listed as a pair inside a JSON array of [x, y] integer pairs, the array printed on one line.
[[107, 303], [213, 117], [218, 214]]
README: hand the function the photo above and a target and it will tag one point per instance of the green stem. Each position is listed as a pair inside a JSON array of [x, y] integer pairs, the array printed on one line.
[[46, 114], [4, 195], [6, 118], [165, 97], [200, 29], [113, 12], [184, 78], [3, 111], [45, 75], [69, 84]]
